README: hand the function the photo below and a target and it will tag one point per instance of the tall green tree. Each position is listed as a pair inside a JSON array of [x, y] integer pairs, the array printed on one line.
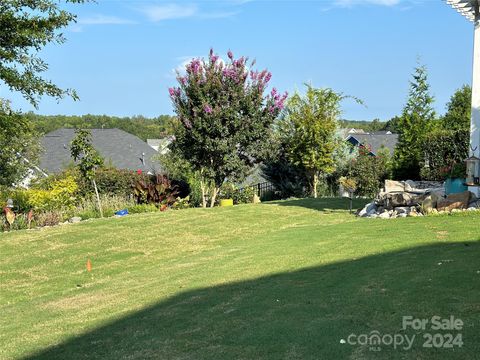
[[310, 124], [416, 121], [19, 145], [88, 159], [459, 110], [27, 27], [225, 118]]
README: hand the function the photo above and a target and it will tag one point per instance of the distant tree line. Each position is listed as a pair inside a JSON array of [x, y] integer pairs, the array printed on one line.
[[143, 127]]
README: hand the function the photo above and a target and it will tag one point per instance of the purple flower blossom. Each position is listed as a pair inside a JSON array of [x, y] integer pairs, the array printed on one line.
[[239, 63], [268, 76], [278, 101], [171, 91], [213, 57], [230, 55], [182, 80], [230, 72], [207, 109], [194, 66]]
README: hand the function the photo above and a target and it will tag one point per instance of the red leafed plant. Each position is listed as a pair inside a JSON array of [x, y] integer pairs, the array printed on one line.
[[157, 189]]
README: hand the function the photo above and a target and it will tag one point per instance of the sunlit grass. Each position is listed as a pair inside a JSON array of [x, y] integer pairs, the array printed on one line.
[[279, 280]]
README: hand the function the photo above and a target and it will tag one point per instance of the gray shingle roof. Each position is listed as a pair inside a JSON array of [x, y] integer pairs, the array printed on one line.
[[119, 149], [376, 141]]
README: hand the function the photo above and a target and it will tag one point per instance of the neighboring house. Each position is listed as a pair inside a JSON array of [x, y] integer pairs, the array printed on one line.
[[117, 147], [376, 140], [161, 145]]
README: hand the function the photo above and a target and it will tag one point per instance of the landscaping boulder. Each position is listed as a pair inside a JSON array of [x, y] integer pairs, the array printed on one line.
[[75, 219], [369, 209], [394, 186], [392, 200], [384, 215], [402, 210], [409, 198], [454, 201], [429, 202]]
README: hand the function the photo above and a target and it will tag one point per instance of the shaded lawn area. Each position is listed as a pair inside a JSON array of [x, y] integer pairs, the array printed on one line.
[[284, 280]]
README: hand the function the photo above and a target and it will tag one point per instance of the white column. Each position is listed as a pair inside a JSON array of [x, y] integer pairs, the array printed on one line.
[[475, 120]]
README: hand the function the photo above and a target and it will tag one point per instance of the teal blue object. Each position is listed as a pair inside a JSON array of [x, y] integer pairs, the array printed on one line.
[[454, 186]]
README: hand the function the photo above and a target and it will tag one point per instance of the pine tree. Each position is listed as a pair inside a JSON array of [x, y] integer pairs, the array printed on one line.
[[416, 121]]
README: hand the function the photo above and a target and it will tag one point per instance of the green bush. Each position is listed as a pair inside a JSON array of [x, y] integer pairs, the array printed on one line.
[[142, 208], [239, 196], [442, 149], [181, 203], [20, 200], [369, 172], [61, 194], [289, 180], [180, 169], [55, 194], [111, 181]]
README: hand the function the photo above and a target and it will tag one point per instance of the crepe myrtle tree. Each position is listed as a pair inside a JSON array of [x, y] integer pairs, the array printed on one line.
[[225, 118]]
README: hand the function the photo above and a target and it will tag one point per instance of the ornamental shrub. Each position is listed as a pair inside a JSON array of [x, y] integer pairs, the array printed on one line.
[[111, 181], [442, 149], [239, 196], [369, 172], [60, 195]]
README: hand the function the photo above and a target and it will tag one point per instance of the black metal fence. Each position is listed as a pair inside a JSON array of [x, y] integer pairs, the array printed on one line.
[[265, 190]]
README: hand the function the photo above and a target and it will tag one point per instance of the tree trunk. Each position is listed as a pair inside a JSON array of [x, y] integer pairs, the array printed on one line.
[[98, 198], [315, 183], [214, 196], [204, 200]]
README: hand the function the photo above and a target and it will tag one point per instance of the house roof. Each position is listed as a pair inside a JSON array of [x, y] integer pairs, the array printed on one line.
[[117, 147], [376, 141]]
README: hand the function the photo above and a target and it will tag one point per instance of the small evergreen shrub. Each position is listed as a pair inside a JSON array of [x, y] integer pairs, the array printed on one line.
[[442, 149]]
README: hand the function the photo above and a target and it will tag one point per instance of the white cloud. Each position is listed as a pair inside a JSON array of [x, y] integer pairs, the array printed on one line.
[[161, 12], [103, 20], [98, 19], [169, 11]]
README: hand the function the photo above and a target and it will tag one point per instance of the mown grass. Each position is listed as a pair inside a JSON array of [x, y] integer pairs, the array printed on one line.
[[285, 280]]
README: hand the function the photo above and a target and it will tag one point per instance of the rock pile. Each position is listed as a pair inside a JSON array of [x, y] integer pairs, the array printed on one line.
[[409, 198]]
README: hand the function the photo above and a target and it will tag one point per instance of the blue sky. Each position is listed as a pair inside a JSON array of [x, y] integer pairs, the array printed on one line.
[[121, 55]]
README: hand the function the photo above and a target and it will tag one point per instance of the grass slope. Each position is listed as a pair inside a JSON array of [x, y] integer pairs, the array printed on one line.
[[285, 280]]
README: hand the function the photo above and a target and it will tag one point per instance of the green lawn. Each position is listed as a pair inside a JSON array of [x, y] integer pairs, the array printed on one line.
[[284, 280]]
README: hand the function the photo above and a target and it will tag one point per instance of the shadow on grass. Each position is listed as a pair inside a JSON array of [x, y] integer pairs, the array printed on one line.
[[302, 314], [323, 204]]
